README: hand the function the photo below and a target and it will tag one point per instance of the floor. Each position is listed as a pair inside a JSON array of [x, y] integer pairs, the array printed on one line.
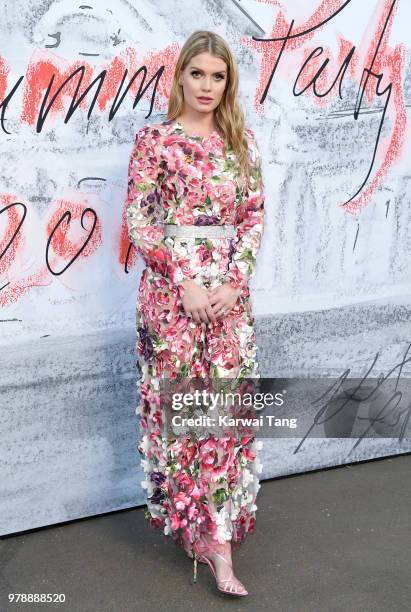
[[331, 540]]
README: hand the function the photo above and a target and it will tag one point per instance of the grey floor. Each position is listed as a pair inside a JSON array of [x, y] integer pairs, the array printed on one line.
[[332, 540]]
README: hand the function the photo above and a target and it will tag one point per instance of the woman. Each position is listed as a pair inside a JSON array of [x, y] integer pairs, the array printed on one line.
[[195, 212]]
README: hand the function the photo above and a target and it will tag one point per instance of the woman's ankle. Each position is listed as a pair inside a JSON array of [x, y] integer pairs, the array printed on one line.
[[208, 546], [220, 549]]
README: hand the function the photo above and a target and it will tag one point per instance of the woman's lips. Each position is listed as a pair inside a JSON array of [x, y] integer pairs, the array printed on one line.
[[205, 100]]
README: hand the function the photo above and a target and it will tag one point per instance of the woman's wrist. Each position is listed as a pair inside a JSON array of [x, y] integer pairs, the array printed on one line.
[[182, 286]]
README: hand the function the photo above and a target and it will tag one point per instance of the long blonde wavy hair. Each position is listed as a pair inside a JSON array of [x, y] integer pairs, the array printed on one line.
[[228, 115]]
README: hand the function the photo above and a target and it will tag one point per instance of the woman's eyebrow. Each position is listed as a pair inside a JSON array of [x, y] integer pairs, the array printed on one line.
[[218, 71]]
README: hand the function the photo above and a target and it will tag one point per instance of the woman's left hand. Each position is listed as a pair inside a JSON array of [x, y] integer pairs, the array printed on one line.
[[223, 298]]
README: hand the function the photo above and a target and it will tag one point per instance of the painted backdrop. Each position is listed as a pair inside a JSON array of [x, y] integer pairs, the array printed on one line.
[[326, 86]]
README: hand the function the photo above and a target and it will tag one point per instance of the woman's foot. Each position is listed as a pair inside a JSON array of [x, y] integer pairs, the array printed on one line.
[[223, 564]]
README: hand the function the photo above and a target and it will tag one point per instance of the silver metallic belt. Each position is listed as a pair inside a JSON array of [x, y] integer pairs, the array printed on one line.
[[199, 231]]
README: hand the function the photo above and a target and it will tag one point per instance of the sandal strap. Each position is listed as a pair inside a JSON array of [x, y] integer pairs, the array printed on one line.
[[235, 586]]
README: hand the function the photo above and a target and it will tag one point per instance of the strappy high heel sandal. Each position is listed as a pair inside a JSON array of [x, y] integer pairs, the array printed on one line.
[[222, 585]]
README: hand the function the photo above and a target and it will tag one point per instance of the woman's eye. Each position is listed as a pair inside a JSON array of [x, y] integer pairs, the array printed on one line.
[[219, 76]]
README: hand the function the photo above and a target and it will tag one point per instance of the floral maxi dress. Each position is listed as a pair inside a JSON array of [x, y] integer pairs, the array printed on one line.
[[205, 486]]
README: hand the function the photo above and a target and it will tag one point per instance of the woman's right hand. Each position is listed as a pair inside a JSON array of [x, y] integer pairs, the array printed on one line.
[[196, 302]]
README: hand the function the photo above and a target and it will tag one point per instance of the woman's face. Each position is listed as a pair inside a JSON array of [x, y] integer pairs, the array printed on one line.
[[205, 76]]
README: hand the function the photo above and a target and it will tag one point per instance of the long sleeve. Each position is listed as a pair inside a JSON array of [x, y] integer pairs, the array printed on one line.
[[249, 222], [145, 173]]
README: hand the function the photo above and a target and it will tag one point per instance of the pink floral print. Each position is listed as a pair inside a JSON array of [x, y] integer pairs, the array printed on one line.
[[205, 486]]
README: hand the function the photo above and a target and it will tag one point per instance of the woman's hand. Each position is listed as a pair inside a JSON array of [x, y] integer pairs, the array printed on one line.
[[196, 302], [223, 298]]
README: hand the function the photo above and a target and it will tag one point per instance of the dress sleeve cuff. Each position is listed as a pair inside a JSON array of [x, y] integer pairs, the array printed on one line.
[[236, 279], [181, 290]]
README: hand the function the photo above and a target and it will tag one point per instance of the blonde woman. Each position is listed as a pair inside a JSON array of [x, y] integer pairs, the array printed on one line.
[[195, 213]]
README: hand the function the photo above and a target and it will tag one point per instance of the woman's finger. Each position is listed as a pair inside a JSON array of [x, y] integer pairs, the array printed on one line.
[[210, 313], [203, 315], [217, 306], [196, 316]]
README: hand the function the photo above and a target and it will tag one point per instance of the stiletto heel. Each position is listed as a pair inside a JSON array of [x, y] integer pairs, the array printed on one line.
[[195, 567], [191, 556]]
